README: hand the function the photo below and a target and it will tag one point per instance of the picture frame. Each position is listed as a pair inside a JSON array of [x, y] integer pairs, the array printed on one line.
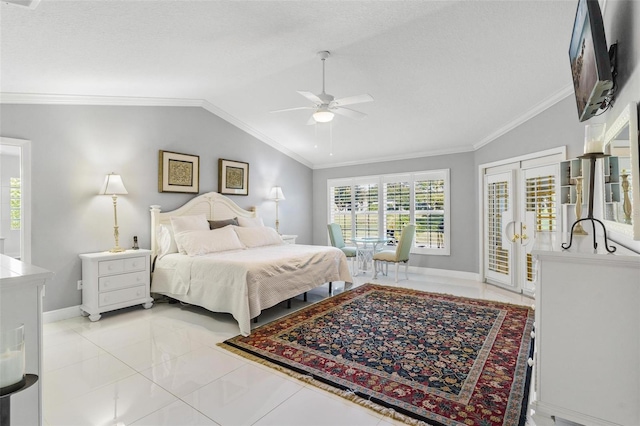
[[178, 172], [233, 177]]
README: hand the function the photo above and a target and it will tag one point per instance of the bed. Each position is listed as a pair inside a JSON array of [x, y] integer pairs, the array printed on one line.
[[241, 280]]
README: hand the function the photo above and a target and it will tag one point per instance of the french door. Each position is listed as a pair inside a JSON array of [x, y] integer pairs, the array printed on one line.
[[519, 201]]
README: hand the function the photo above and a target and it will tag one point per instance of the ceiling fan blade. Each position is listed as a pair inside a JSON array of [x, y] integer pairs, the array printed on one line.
[[348, 112], [313, 98], [293, 109], [350, 100]]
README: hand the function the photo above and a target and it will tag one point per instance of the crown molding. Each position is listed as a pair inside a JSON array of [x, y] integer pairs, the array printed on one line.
[[537, 109], [46, 99], [253, 132], [413, 155]]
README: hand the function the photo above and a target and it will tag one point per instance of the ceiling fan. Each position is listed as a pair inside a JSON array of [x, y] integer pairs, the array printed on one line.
[[325, 105]]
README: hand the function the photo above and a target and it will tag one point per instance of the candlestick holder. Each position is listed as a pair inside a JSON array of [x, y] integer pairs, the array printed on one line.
[[592, 156]]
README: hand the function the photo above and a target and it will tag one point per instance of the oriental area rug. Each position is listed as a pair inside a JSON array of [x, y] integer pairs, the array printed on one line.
[[421, 358]]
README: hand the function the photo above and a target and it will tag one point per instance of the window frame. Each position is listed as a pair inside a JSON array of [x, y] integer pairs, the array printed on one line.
[[381, 181]]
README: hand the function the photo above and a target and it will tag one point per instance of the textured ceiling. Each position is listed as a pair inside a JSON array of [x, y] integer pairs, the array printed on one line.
[[446, 75]]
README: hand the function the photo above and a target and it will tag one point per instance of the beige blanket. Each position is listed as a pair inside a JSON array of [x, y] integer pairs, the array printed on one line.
[[244, 282]]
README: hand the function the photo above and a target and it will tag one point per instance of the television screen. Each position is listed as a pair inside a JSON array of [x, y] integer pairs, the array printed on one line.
[[590, 64]]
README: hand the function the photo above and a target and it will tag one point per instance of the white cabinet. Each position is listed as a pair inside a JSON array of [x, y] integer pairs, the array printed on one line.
[[289, 239], [21, 289], [587, 358], [115, 280]]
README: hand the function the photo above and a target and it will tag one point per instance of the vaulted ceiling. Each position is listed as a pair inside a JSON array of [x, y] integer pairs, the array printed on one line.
[[446, 76]]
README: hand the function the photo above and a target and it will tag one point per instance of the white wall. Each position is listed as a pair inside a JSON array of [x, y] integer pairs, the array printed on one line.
[[74, 147]]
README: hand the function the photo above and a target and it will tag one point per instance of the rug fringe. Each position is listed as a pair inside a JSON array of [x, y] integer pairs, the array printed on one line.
[[347, 394]]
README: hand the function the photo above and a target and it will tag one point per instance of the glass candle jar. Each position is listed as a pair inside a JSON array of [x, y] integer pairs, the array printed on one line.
[[594, 138], [11, 358]]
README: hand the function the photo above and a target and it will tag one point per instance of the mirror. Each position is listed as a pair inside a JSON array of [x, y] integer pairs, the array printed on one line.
[[621, 172]]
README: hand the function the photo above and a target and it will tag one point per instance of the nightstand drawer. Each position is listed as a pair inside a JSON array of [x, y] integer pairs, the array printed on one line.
[[125, 295], [108, 267], [115, 282]]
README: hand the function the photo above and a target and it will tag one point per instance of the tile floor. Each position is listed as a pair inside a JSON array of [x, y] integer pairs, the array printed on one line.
[[162, 367]]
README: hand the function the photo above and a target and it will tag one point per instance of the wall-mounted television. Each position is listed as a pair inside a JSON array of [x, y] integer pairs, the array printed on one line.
[[590, 64]]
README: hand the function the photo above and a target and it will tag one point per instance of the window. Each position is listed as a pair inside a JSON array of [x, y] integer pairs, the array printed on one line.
[[366, 210], [384, 205], [15, 200], [340, 207]]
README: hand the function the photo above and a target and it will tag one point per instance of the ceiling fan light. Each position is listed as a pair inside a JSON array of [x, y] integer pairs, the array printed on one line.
[[323, 116]]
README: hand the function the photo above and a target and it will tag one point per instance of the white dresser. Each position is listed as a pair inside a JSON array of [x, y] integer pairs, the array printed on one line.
[[587, 359], [21, 290], [115, 280]]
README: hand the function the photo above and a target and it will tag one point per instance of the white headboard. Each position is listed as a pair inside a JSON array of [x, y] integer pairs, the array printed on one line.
[[214, 205]]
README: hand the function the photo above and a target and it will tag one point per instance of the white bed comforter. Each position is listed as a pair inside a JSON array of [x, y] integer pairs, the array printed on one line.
[[244, 282]]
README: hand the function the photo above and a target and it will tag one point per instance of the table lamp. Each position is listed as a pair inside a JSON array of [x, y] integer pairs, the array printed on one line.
[[113, 186], [276, 195]]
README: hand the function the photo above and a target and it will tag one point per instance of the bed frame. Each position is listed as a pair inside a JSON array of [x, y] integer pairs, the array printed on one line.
[[213, 204]]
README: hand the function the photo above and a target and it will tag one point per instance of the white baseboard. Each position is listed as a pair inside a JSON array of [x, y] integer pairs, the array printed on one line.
[[472, 276], [61, 314]]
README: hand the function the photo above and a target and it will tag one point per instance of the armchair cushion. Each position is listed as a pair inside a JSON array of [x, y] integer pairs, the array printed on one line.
[[349, 251], [385, 256]]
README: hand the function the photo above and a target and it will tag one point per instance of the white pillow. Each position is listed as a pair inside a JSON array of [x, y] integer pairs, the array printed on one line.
[[188, 223], [197, 243], [165, 241], [250, 222], [258, 236]]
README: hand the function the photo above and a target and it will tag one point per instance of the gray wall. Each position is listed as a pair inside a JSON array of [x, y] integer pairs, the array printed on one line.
[[463, 222], [74, 147], [554, 127]]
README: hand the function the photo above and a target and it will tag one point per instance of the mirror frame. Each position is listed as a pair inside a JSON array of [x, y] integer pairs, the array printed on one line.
[[628, 116]]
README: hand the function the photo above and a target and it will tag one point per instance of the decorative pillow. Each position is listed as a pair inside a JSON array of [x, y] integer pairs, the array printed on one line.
[[215, 224], [250, 222], [258, 236], [197, 243], [165, 241], [188, 223]]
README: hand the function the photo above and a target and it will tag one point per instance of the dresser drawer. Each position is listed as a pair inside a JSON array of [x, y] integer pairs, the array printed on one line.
[[124, 295], [108, 267], [115, 282]]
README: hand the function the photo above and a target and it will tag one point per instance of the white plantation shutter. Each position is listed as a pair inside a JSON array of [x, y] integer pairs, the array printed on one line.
[[497, 203], [540, 202], [397, 205], [366, 209], [340, 208], [430, 211], [541, 199], [384, 205]]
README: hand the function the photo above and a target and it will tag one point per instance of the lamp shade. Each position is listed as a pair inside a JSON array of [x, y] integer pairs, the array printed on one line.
[[113, 185], [276, 193], [323, 115]]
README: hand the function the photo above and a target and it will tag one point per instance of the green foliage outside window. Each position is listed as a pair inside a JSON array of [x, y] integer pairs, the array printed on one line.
[[15, 201]]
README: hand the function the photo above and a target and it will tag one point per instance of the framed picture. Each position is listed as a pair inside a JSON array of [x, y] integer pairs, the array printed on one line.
[[178, 172], [233, 177]]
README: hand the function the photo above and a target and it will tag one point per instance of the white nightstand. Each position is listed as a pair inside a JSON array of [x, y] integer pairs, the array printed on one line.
[[115, 280], [289, 239]]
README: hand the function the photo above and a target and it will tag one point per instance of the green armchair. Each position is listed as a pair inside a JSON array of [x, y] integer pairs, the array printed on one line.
[[337, 240], [397, 256]]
